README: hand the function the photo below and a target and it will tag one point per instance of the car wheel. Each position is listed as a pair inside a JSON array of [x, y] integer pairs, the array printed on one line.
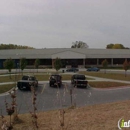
[[30, 88], [37, 84], [20, 87], [59, 85]]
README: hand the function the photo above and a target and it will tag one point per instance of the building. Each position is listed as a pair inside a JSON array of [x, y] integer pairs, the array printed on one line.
[[70, 57]]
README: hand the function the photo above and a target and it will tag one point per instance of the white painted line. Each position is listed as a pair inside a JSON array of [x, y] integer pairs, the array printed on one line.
[[43, 88]]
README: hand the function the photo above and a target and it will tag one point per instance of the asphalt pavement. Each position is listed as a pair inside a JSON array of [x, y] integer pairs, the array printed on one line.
[[50, 98]]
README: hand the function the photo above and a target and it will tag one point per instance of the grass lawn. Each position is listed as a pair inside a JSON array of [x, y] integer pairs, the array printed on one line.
[[5, 88], [39, 76], [107, 75], [94, 117]]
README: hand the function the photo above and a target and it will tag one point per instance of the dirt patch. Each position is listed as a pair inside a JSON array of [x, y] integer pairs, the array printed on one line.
[[95, 117]]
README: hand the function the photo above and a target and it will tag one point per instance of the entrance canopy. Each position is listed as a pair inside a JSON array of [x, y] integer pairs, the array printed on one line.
[[68, 55]]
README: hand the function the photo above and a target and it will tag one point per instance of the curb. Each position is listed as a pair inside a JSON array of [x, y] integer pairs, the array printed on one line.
[[112, 88], [7, 93]]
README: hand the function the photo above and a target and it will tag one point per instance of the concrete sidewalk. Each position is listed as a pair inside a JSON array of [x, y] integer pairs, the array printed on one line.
[[105, 79]]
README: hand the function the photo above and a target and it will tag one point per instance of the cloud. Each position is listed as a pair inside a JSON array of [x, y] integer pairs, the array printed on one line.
[[58, 23]]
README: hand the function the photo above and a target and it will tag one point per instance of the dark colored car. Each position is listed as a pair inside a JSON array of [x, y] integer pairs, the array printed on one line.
[[79, 80], [93, 69], [26, 82], [72, 70], [55, 80]]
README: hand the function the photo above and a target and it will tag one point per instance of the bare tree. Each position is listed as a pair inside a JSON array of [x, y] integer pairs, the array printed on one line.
[[105, 64], [126, 66]]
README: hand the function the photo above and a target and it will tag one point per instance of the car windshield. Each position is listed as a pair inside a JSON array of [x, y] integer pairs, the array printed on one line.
[[31, 78], [28, 78], [58, 77], [25, 78]]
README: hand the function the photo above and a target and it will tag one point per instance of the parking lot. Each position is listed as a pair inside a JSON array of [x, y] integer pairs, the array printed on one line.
[[50, 98]]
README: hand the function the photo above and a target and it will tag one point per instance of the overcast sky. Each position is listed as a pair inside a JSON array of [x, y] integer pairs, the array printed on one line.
[[58, 23]]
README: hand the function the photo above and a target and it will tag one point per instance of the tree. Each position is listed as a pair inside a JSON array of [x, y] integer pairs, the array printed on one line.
[[9, 64], [79, 44], [126, 66], [109, 46], [57, 64], [23, 64], [105, 64], [116, 46], [13, 46], [37, 63]]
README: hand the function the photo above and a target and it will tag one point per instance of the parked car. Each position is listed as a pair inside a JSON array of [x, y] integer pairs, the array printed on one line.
[[93, 69], [26, 82], [72, 70], [79, 80], [55, 80]]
